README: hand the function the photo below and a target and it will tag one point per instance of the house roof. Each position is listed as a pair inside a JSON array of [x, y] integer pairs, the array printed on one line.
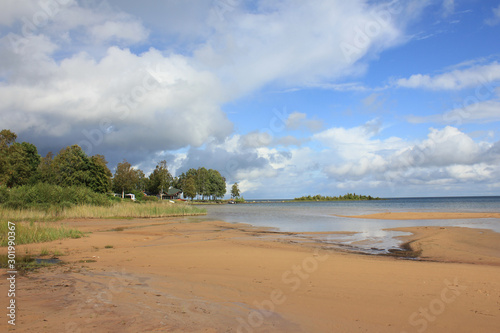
[[173, 191]]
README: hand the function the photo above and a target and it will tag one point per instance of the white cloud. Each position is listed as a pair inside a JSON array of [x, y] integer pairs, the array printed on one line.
[[475, 173], [456, 79], [75, 80], [356, 142], [297, 120], [350, 86], [80, 93], [447, 156], [132, 32], [496, 17], [294, 44], [482, 106], [448, 7], [256, 139], [289, 140], [444, 147], [13, 10]]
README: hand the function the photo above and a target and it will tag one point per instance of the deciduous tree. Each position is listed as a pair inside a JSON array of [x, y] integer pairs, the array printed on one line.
[[125, 179], [46, 172], [100, 175], [189, 188], [235, 191], [72, 167], [7, 137], [22, 161], [216, 186], [160, 179]]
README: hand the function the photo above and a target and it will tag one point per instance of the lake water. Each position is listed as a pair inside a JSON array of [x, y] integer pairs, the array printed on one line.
[[370, 234]]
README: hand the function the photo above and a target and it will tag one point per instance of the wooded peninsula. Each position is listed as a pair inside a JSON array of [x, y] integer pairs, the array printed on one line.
[[348, 196]]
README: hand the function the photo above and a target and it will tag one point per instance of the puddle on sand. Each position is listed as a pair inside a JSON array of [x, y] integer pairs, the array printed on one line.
[[49, 261], [379, 242]]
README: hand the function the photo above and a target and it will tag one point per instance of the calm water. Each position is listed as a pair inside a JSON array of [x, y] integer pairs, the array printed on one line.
[[371, 236]]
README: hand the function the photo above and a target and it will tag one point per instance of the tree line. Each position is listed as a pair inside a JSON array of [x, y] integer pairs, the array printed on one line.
[[20, 164], [348, 196]]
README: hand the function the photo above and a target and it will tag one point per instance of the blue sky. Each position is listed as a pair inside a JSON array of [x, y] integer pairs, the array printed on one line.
[[287, 98]]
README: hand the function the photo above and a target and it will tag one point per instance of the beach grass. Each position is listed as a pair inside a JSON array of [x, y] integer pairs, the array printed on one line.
[[32, 226], [116, 210], [30, 232]]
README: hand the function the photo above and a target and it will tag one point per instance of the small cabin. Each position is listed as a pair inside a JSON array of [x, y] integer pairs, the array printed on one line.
[[173, 194]]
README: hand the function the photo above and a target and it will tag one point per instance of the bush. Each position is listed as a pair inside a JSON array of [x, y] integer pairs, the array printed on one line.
[[139, 196], [114, 199], [43, 196], [4, 194]]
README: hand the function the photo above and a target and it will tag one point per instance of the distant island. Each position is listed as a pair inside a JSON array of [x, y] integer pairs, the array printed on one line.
[[348, 196]]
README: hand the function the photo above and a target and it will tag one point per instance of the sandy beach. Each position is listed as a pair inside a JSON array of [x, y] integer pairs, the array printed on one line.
[[178, 275]]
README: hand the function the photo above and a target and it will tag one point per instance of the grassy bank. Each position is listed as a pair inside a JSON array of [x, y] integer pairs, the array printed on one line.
[[27, 233], [116, 210]]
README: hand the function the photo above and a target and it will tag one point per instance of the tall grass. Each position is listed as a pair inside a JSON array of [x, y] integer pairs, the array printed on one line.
[[116, 210], [27, 233]]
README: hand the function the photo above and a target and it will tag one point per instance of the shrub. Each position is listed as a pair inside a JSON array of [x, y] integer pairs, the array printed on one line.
[[4, 194], [44, 196]]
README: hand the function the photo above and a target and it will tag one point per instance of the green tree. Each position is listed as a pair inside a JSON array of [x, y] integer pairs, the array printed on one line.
[[125, 179], [202, 182], [189, 187], [100, 175], [235, 191], [7, 138], [72, 167], [22, 163], [160, 179], [142, 181], [216, 185], [46, 172]]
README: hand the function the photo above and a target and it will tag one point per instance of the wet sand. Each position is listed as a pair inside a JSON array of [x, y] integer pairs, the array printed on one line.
[[170, 275], [455, 244]]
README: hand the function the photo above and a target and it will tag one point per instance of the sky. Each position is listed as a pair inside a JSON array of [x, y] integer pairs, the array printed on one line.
[[285, 97]]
